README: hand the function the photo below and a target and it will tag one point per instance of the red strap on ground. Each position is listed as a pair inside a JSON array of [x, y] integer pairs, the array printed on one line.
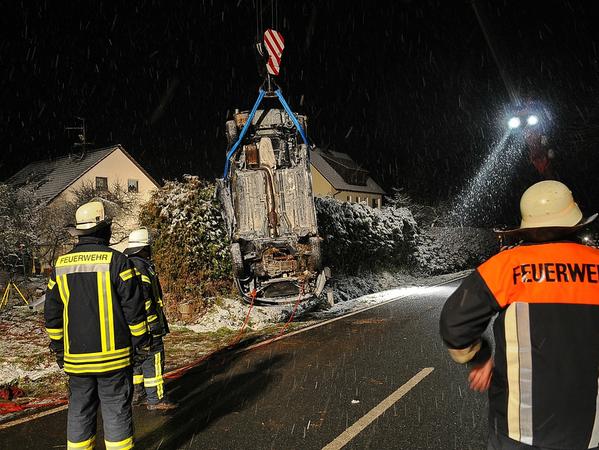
[[178, 373], [9, 407]]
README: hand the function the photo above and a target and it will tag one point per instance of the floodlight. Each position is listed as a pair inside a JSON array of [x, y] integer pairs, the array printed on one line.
[[532, 120], [514, 122]]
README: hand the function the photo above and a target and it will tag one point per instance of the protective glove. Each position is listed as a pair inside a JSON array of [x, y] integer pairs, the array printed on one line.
[[58, 350]]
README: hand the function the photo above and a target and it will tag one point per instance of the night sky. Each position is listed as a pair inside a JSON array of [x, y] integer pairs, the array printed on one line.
[[408, 88]]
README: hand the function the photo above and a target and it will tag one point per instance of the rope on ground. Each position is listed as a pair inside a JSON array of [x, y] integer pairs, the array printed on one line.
[[178, 373]]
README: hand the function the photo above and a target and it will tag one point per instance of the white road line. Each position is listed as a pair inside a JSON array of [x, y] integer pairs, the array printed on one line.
[[344, 438]]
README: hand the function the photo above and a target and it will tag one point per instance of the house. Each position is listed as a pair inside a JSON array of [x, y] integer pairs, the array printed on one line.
[[335, 174], [57, 181]]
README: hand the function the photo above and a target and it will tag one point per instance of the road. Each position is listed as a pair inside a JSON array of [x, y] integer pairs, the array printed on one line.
[[307, 390]]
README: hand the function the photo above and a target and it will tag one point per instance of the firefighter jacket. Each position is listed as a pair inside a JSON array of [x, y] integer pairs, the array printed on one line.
[[152, 294], [544, 389], [94, 309]]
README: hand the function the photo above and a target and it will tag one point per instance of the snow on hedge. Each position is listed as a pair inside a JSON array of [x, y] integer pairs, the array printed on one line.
[[357, 236], [190, 243], [450, 249]]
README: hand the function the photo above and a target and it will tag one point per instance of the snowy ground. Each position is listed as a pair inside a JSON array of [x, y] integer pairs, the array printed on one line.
[[351, 292], [382, 287], [26, 362]]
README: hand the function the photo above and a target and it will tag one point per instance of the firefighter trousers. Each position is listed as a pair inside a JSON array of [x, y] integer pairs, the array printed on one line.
[[112, 393], [149, 373]]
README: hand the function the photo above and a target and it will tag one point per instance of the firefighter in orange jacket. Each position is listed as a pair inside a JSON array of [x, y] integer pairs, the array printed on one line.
[[542, 381], [95, 318]]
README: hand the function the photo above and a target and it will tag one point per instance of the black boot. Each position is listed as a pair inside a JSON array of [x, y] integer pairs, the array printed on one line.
[[139, 394]]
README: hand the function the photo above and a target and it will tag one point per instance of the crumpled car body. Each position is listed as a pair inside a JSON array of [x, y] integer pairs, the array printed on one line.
[[269, 211]]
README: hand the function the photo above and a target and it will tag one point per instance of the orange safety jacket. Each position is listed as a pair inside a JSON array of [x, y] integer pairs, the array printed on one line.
[[544, 390]]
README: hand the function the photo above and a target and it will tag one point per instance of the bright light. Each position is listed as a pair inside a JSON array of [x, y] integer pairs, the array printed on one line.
[[532, 120], [514, 122]]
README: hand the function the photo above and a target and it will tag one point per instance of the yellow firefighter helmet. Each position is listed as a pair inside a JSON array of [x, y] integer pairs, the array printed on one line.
[[89, 218]]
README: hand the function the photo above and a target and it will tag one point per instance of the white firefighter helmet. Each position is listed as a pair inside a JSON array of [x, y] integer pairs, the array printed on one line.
[[138, 239], [89, 218], [549, 204], [548, 212]]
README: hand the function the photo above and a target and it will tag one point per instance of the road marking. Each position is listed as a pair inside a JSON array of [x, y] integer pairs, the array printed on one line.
[[343, 439], [11, 423]]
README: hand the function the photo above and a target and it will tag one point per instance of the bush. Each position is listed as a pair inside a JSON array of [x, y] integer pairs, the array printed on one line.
[[190, 245], [20, 220], [357, 236], [443, 250]]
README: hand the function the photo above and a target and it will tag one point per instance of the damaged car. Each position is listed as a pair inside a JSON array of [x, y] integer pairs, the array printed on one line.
[[268, 208]]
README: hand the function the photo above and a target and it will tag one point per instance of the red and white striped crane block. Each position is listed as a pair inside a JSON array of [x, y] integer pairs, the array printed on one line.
[[274, 42]]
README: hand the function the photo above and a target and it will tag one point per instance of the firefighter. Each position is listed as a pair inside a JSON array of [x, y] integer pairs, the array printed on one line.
[[94, 314], [544, 293], [148, 374]]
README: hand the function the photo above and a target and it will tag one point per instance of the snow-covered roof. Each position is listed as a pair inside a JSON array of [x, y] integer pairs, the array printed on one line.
[[324, 162], [49, 178]]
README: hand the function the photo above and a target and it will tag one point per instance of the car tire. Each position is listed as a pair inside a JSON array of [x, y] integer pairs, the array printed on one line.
[[315, 258], [237, 260]]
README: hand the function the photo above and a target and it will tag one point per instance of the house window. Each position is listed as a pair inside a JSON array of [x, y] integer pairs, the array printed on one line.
[[132, 186], [349, 198], [374, 202], [101, 184]]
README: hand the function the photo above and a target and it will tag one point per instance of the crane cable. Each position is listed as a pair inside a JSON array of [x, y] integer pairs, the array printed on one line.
[[274, 17]]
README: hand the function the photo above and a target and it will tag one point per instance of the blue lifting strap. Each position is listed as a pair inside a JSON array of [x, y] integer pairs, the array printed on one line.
[[292, 116], [249, 121], [243, 131]]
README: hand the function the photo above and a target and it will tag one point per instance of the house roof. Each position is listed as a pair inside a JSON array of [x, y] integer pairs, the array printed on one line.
[[49, 178], [323, 161]]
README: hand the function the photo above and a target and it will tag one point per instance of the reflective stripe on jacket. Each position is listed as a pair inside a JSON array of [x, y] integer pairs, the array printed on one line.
[[544, 390], [152, 294], [94, 309]]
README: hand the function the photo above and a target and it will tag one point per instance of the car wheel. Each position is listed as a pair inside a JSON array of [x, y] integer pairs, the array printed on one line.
[[314, 260], [237, 260]]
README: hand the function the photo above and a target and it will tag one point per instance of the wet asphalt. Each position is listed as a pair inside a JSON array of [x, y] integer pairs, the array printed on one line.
[[305, 390]]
